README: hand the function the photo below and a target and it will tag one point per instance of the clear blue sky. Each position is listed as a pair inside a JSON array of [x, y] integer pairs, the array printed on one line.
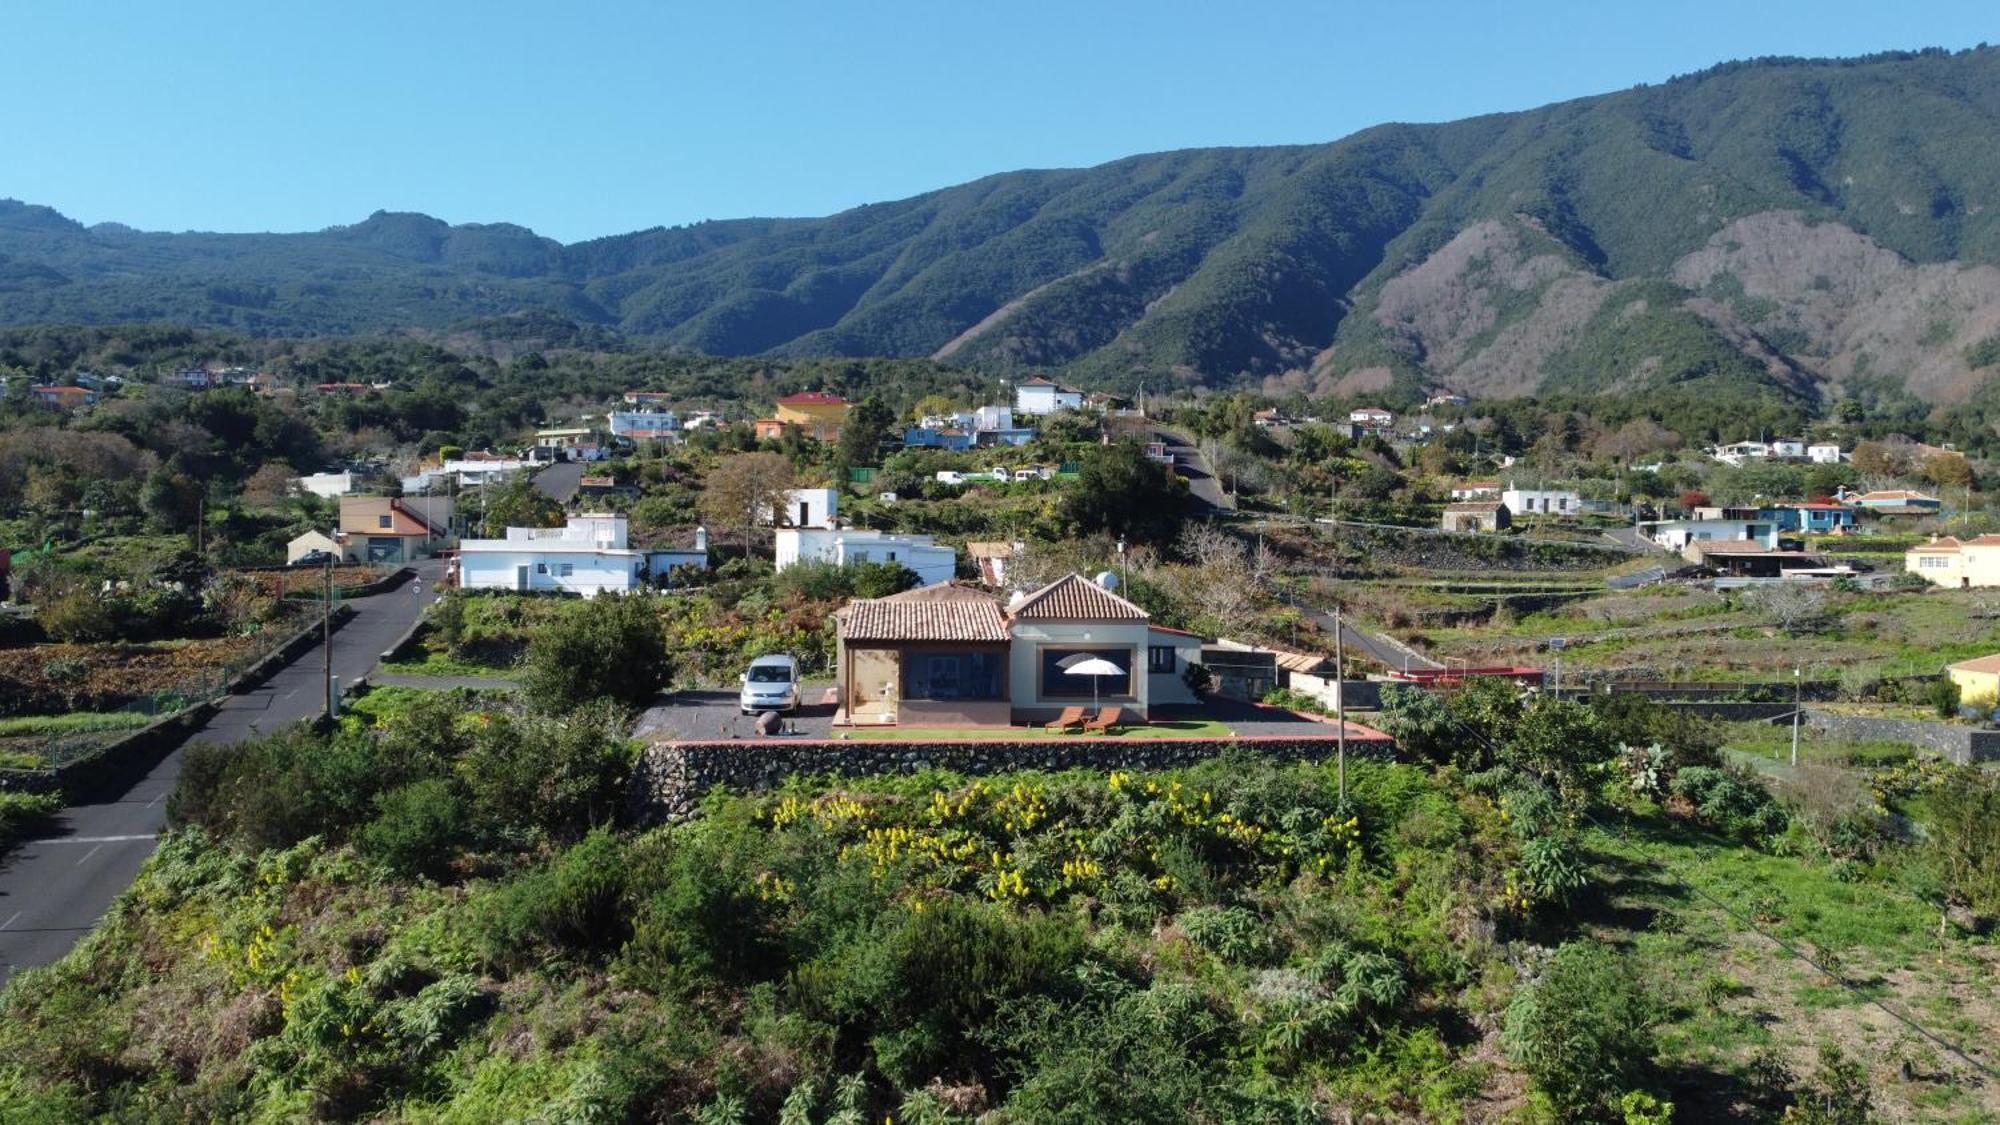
[[592, 118]]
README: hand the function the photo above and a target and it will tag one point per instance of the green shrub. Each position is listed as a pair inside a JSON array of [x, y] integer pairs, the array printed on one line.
[[1582, 1031], [1942, 695], [608, 647], [417, 827], [1730, 802], [78, 618], [575, 905], [1230, 932], [1965, 836], [544, 777], [20, 812]]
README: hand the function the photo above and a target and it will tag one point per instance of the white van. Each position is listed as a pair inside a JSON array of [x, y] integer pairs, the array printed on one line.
[[770, 684]]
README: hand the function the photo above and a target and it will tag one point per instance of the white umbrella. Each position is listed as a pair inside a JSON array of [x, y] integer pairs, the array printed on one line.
[[1092, 666]]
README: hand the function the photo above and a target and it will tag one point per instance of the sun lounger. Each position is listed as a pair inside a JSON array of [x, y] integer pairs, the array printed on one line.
[[1070, 717]]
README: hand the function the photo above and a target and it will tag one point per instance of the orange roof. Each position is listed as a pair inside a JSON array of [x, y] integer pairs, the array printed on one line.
[[1945, 546], [813, 398], [943, 612], [1075, 598], [1978, 664]]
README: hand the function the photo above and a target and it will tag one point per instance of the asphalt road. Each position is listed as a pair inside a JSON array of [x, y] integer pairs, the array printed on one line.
[[1200, 475], [560, 481], [54, 889]]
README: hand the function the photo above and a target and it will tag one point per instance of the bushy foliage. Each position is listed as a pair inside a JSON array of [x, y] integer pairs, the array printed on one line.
[[608, 647], [1582, 1030], [1729, 801]]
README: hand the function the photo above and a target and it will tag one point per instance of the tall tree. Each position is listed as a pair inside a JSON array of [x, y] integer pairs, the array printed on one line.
[[742, 487], [1121, 492]]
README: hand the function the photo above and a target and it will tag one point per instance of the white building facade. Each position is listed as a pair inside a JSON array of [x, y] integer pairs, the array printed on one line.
[[328, 485], [1042, 396], [1542, 501], [843, 546], [587, 556]]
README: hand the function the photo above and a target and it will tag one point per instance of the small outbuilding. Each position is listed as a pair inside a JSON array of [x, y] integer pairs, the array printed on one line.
[[1978, 680], [1477, 515]]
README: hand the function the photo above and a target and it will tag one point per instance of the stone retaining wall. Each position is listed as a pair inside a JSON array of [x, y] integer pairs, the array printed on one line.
[[671, 777], [1730, 712], [1948, 740]]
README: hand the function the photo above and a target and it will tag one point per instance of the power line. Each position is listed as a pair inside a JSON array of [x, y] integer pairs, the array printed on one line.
[[1751, 924]]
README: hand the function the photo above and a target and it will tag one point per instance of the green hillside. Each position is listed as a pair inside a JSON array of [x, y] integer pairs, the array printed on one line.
[[1221, 265]]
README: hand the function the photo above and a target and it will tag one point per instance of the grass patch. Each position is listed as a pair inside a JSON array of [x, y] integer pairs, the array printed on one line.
[[442, 664], [22, 812], [80, 722]]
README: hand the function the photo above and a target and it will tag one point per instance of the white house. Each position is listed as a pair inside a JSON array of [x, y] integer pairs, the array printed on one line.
[[327, 484], [1788, 447], [847, 546], [1735, 453], [1044, 396], [587, 556], [1717, 524], [1372, 417], [807, 507], [1825, 453], [643, 423], [1475, 490], [470, 472], [1541, 501]]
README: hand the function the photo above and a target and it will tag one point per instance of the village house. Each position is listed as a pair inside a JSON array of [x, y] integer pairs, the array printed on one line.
[[381, 529], [1041, 396], [1713, 525], [1476, 515], [63, 398], [817, 414], [644, 425], [1947, 561], [1475, 490], [648, 400], [1735, 453], [327, 485], [588, 555], [992, 560], [1825, 453], [1896, 502], [1541, 501], [1371, 418], [1978, 680], [1820, 517], [816, 534], [953, 656]]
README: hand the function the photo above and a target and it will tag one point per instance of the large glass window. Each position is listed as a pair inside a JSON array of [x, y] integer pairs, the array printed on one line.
[[1059, 683], [952, 675], [1159, 658]]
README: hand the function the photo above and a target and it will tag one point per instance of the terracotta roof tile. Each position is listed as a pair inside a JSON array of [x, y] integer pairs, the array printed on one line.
[[1075, 598], [1978, 664], [929, 613]]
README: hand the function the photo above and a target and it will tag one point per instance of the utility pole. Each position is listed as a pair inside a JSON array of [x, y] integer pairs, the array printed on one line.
[[1799, 689], [326, 635], [1340, 699]]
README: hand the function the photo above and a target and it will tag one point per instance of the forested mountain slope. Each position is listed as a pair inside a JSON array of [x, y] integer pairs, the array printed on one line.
[[1791, 225]]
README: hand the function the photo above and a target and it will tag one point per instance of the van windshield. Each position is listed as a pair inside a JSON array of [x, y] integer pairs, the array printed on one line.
[[770, 674]]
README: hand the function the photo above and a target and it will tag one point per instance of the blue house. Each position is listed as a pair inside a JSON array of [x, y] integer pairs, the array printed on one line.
[[923, 437], [1819, 518]]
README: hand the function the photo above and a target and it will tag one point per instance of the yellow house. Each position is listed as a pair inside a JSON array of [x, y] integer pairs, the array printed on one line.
[[819, 414], [1978, 680], [1956, 562]]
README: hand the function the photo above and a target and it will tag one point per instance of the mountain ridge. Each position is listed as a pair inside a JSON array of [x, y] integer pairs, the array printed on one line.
[[1266, 266]]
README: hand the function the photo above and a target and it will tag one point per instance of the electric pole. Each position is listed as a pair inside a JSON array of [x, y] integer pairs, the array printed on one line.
[[1799, 689], [326, 634], [1340, 700]]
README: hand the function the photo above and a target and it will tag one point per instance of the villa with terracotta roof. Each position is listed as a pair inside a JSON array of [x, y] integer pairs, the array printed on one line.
[[818, 414], [1946, 561], [955, 656]]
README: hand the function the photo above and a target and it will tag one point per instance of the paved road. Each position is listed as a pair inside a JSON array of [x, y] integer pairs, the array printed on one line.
[[1189, 463], [560, 481], [1630, 537], [53, 890]]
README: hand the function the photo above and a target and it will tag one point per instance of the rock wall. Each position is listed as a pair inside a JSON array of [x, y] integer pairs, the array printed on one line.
[[1960, 744], [671, 777]]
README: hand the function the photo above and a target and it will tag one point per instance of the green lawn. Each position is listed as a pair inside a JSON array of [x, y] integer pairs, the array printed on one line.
[[1189, 728]]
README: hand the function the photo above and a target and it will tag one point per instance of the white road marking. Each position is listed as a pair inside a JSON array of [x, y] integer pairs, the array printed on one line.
[[157, 798], [88, 854], [96, 839], [11, 921]]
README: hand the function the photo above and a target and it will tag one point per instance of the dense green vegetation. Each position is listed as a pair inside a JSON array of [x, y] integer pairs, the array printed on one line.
[[430, 913], [1203, 264]]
